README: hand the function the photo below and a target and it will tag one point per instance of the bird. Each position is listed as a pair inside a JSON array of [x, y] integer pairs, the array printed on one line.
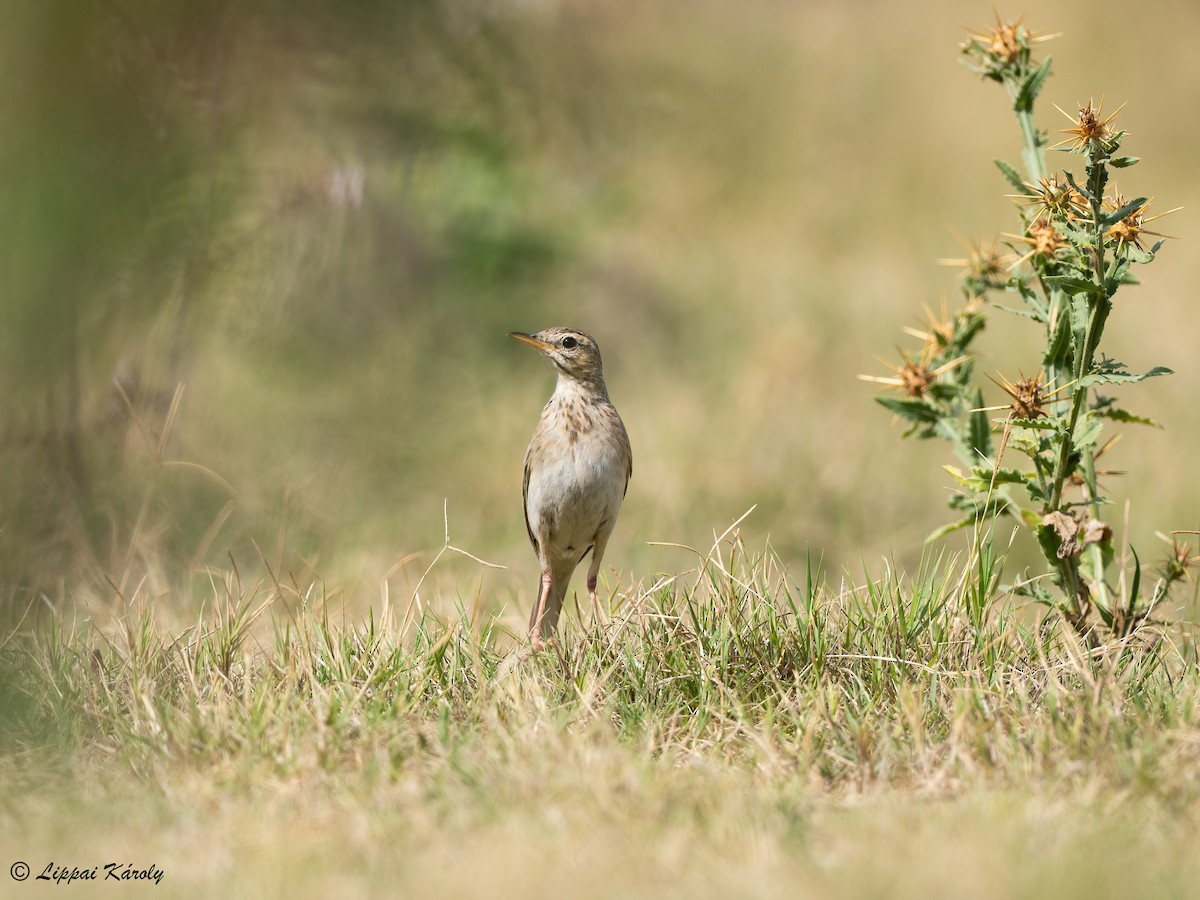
[[577, 471]]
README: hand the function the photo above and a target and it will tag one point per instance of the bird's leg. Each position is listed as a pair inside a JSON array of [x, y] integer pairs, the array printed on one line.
[[593, 571], [592, 596], [535, 629]]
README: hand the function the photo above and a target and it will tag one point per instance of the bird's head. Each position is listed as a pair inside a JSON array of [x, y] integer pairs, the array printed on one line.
[[571, 353]]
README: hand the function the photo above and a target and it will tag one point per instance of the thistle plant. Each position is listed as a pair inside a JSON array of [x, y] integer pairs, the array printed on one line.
[[1077, 241]]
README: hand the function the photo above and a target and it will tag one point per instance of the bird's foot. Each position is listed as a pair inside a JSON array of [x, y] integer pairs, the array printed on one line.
[[591, 586], [597, 615]]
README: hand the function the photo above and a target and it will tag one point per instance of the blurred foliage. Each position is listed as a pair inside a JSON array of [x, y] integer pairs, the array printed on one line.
[[156, 205]]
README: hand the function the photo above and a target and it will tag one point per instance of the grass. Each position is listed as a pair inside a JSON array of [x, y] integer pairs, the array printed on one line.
[[743, 732]]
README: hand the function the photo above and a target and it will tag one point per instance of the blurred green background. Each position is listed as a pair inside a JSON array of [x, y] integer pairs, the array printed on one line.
[[260, 259]]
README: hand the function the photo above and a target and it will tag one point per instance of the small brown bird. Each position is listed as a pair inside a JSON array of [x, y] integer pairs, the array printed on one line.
[[577, 469]]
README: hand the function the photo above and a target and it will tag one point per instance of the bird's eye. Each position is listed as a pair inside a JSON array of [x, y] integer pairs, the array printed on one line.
[[569, 343]]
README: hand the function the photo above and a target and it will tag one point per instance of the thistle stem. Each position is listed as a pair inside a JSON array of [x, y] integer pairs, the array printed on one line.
[[1100, 309], [1085, 357], [1035, 165]]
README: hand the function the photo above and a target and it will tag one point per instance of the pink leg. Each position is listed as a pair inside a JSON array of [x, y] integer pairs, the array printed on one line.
[[593, 570], [535, 631], [592, 594]]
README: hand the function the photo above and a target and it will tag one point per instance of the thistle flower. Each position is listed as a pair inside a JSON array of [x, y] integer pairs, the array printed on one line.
[[1057, 199], [985, 265], [1130, 229], [1042, 236], [1178, 564], [914, 376], [1003, 42], [1027, 396], [972, 306], [939, 334], [1089, 128], [1003, 46]]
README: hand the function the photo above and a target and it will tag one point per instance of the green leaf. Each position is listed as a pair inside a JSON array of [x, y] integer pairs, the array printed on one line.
[[943, 391], [1087, 432], [1080, 237], [946, 428], [1097, 172], [1117, 269], [1012, 175], [1003, 475], [937, 533], [1114, 266], [1048, 541], [1111, 372], [1032, 588], [1124, 415], [1023, 313], [1083, 192], [1123, 162], [998, 506], [975, 509], [1081, 314], [1138, 255], [981, 479], [1034, 301], [1048, 423], [1060, 345], [1030, 518], [1031, 86], [956, 473], [1073, 284], [967, 329], [1114, 217], [914, 410], [979, 429]]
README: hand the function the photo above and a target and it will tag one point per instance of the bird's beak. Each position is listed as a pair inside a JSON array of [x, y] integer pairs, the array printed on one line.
[[530, 340]]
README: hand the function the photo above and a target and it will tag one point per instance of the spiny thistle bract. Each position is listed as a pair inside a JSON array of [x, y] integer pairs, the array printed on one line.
[[1073, 251]]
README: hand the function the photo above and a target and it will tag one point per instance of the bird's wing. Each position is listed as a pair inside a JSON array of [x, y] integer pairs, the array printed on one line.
[[628, 456], [525, 505]]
